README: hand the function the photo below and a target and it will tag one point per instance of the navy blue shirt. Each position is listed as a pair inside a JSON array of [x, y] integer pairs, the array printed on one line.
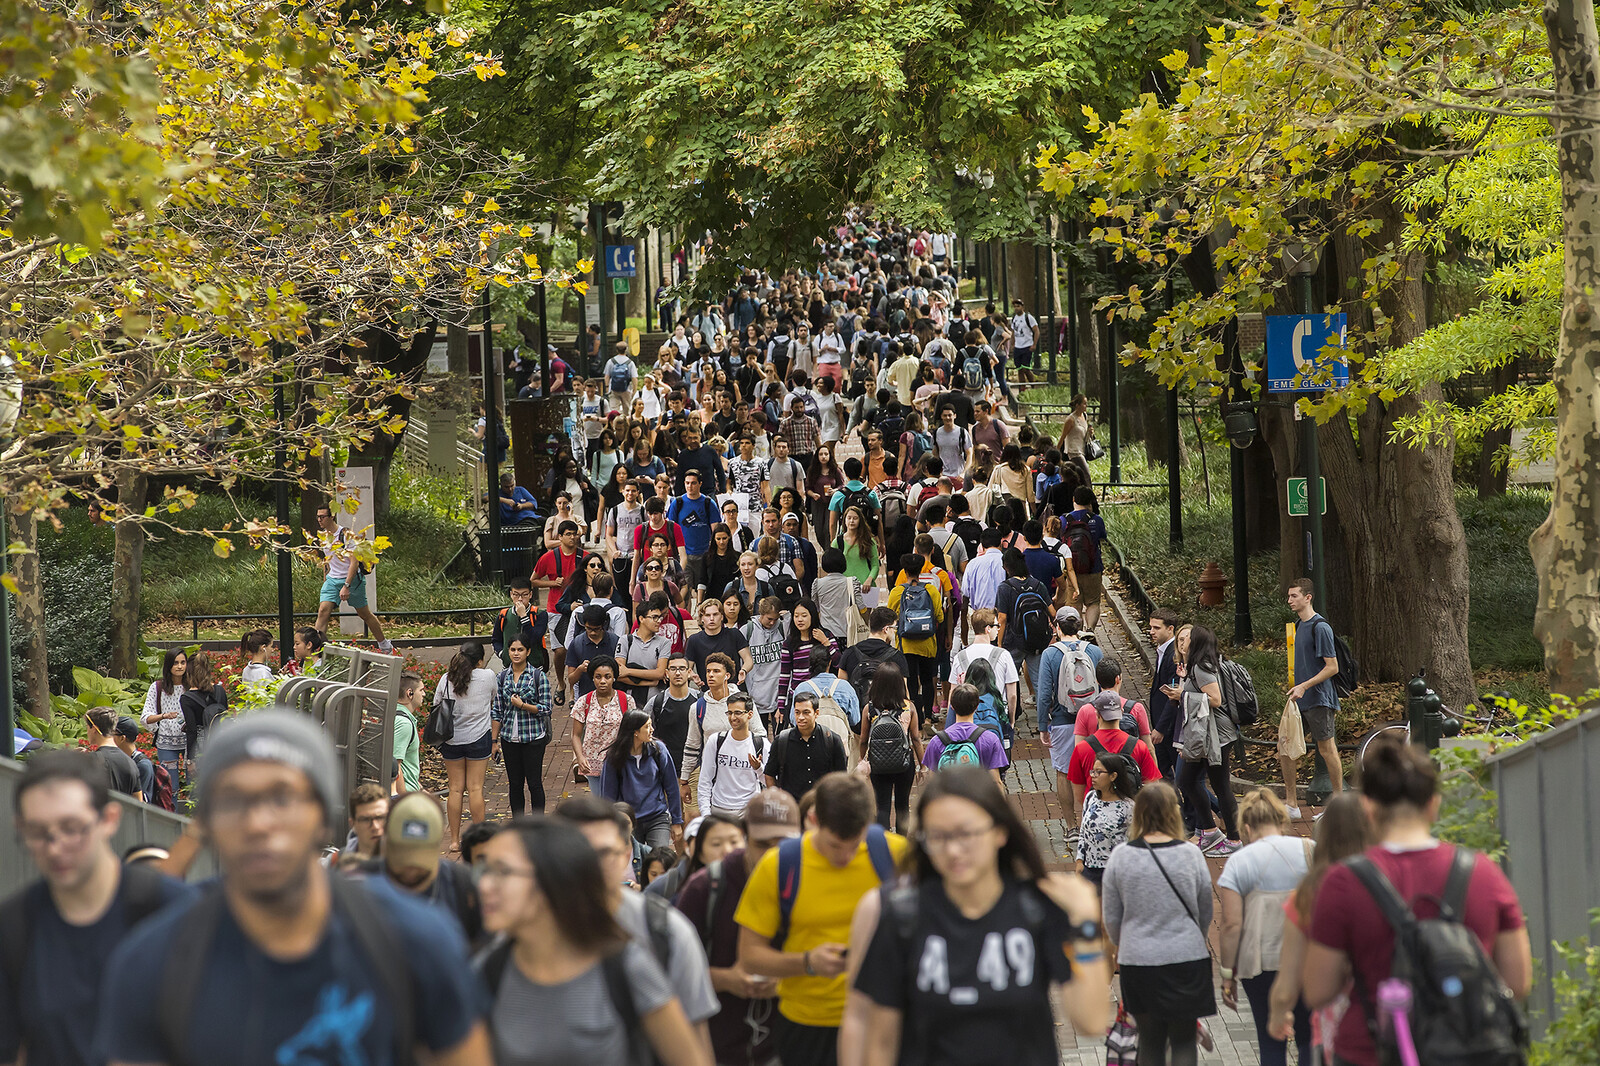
[[255, 1010], [1044, 566], [580, 649], [1313, 642], [1097, 529], [60, 995]]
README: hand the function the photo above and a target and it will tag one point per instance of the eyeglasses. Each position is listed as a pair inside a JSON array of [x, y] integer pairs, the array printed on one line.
[[961, 838], [42, 836], [236, 806], [497, 871], [652, 569]]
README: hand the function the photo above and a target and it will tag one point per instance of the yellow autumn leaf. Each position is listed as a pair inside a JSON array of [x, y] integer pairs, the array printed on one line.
[[222, 546], [384, 209], [584, 266], [581, 287], [406, 145], [1175, 61], [490, 205]]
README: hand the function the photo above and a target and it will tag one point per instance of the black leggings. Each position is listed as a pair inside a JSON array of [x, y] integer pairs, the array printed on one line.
[[895, 787], [1221, 785], [922, 684], [1159, 1034], [525, 765]]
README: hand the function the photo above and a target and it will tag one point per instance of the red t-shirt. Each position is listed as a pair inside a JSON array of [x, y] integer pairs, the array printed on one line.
[[642, 535], [1346, 918], [556, 564], [1089, 719], [1083, 756]]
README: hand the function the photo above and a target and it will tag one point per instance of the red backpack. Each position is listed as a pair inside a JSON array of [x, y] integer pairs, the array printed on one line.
[[163, 797]]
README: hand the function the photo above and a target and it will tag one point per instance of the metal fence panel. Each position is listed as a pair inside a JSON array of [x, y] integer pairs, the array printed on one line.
[[141, 824], [1548, 802]]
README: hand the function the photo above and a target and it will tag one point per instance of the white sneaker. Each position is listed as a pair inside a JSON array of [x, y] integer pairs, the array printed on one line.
[[1318, 816], [1294, 814], [386, 646]]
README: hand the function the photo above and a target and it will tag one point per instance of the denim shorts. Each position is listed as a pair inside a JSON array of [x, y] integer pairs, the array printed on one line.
[[478, 749]]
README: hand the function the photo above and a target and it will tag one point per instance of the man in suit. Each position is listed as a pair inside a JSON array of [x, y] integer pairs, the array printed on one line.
[[1163, 704]]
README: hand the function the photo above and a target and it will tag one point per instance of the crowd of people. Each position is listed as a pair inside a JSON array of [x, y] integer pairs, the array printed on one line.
[[794, 685]]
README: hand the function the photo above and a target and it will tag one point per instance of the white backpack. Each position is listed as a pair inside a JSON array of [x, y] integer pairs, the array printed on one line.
[[831, 716], [1076, 684]]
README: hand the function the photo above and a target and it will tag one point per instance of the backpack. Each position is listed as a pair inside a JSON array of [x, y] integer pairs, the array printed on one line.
[[786, 588], [1238, 693], [972, 367], [1125, 752], [1031, 613], [142, 890], [921, 444], [892, 504], [1348, 679], [1084, 545], [163, 793], [888, 745], [963, 752], [790, 856], [970, 530], [618, 376], [891, 426], [863, 672], [831, 716], [866, 501], [1075, 681], [1462, 1013], [916, 612]]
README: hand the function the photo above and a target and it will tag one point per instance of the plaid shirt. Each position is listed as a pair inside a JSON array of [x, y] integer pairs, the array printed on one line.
[[802, 433], [517, 724]]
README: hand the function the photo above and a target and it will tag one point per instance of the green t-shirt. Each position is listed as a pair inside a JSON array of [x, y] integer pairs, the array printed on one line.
[[408, 748]]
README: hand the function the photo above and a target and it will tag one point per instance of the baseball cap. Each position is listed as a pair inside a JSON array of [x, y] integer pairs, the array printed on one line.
[[1068, 614], [772, 809], [1108, 705], [414, 831], [127, 728], [791, 517], [275, 735], [596, 615]]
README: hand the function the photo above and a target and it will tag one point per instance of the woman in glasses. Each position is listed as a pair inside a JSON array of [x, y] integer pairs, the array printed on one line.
[[569, 986], [960, 961], [652, 578]]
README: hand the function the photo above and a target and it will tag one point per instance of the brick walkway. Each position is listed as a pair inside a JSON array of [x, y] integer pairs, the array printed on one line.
[[1032, 786]]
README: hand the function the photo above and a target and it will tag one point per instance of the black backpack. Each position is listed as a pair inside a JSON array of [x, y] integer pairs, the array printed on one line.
[[970, 530], [864, 499], [888, 744], [1125, 753], [862, 673], [1030, 612], [1462, 1013]]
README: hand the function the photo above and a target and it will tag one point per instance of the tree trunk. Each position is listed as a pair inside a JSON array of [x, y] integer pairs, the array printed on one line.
[[406, 361], [1403, 540], [30, 615], [1566, 546], [127, 573], [1492, 476]]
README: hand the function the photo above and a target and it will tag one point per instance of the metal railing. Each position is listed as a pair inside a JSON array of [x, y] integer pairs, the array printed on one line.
[[353, 697], [468, 460], [141, 824]]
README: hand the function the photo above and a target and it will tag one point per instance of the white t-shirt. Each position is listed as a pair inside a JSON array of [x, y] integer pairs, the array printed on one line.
[[952, 444], [727, 780], [831, 423], [1004, 670], [1022, 330]]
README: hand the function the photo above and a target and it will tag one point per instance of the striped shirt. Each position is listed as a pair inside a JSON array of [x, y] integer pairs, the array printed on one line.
[[518, 725], [794, 669]]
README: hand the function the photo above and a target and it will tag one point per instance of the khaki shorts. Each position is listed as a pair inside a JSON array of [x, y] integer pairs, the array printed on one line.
[[691, 806], [1090, 588]]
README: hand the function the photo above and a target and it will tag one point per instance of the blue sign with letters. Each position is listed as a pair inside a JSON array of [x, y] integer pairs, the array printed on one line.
[[1294, 353], [620, 261]]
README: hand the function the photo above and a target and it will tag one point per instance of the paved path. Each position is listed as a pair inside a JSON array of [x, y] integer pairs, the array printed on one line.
[[1033, 792]]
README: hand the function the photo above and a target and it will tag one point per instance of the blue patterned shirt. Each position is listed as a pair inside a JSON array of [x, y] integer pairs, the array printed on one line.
[[518, 725]]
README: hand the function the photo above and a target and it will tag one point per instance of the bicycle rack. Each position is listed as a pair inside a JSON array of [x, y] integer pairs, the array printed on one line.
[[353, 697]]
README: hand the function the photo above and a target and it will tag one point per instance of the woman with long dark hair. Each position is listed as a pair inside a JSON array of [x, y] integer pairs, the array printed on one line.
[[1006, 931], [810, 651], [902, 540], [559, 977], [1352, 941], [611, 488], [822, 480], [717, 835], [466, 753], [520, 719], [860, 547], [163, 713], [1107, 812], [1157, 900], [204, 699], [604, 456], [652, 575], [1199, 678], [1342, 831], [639, 771], [722, 561], [579, 590], [894, 768]]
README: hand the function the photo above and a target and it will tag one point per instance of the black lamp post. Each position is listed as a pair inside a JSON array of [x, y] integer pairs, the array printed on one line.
[[10, 410]]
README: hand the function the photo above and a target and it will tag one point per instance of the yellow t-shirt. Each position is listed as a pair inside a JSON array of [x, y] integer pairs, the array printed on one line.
[[823, 907], [928, 646]]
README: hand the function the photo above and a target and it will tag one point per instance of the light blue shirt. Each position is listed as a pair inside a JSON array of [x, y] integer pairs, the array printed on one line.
[[1049, 671], [842, 693], [982, 579]]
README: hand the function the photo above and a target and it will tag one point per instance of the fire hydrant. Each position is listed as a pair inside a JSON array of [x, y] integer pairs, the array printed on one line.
[[1212, 582]]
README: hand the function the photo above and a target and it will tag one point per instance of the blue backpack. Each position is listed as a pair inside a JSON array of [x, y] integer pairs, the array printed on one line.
[[916, 612], [619, 376], [988, 712]]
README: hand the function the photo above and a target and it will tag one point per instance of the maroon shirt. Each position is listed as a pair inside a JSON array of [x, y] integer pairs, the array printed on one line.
[[730, 1033], [1347, 919]]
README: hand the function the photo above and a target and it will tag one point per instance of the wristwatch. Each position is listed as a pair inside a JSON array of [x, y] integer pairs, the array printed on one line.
[[1088, 929]]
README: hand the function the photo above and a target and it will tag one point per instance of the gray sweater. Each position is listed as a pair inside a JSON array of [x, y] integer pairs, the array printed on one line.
[[1144, 916]]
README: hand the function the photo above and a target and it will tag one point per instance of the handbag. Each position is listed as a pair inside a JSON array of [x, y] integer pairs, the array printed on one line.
[[1092, 450], [1291, 731], [441, 725], [1199, 741], [1122, 1040]]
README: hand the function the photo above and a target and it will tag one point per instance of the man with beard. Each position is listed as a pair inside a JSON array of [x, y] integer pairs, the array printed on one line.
[[281, 961], [411, 844]]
